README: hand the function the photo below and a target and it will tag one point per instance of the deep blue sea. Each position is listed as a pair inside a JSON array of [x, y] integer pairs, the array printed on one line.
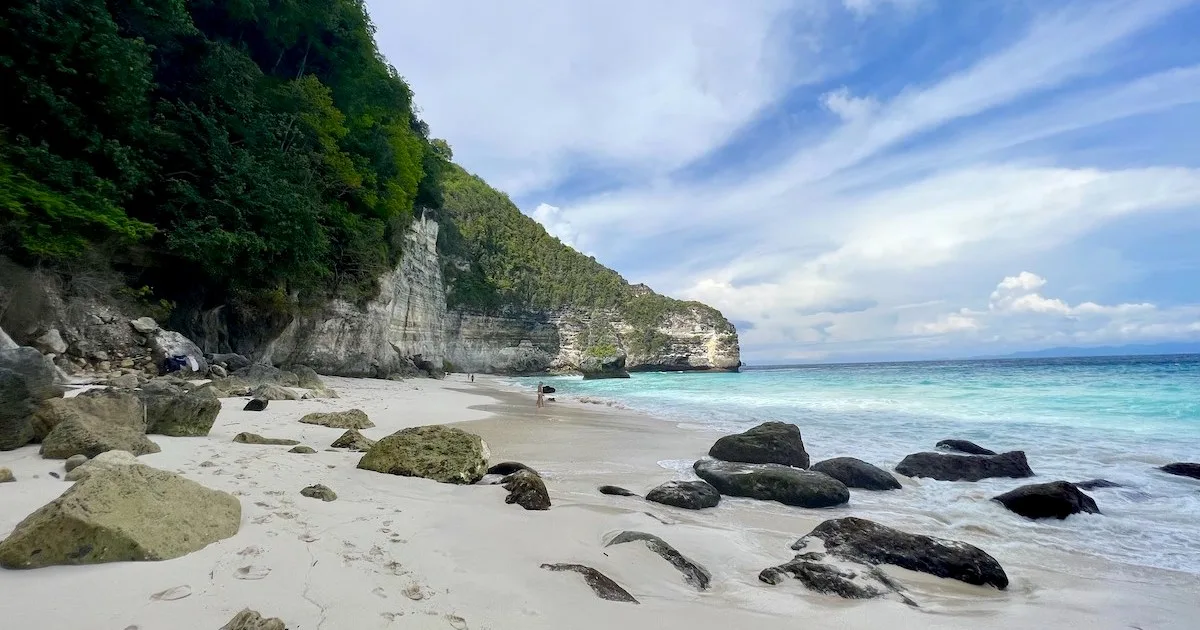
[[1112, 417]]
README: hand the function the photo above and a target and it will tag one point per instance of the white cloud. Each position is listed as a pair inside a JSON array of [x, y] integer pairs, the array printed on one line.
[[551, 218], [846, 106], [863, 8]]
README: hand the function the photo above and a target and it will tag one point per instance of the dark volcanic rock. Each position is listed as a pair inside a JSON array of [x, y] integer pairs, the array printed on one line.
[[767, 443], [856, 473], [616, 491], [1093, 484], [965, 467], [869, 542], [848, 579], [772, 482], [693, 573], [1183, 469], [1057, 499], [256, 404], [508, 468], [691, 495], [965, 446], [601, 584], [254, 438], [526, 489]]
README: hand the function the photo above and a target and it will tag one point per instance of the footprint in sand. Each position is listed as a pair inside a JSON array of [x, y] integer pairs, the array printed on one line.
[[379, 592], [275, 493], [456, 622], [260, 520], [251, 551], [172, 594], [251, 572], [390, 616], [308, 537], [413, 592], [207, 464]]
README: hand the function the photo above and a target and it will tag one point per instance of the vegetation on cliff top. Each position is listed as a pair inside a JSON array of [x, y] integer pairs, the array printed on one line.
[[242, 147]]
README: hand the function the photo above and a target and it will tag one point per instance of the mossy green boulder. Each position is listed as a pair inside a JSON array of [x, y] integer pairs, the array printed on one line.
[[352, 419], [354, 441], [124, 513], [108, 406], [434, 452], [182, 414], [92, 436], [246, 437]]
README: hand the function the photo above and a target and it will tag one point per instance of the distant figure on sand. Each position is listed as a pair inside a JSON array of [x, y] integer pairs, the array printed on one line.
[[472, 377], [540, 400]]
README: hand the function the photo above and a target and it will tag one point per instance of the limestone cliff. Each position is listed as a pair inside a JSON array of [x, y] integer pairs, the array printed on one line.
[[410, 318]]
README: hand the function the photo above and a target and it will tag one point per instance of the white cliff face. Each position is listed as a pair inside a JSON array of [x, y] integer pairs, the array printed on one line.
[[410, 318]]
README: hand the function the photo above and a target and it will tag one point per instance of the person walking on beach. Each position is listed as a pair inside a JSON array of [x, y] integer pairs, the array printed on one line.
[[540, 400]]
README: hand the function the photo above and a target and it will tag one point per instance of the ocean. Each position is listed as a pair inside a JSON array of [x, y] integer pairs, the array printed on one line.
[[1116, 418]]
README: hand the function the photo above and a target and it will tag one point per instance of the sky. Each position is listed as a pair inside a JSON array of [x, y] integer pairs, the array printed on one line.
[[844, 179]]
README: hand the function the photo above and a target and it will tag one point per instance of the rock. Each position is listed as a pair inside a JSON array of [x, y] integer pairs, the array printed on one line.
[[603, 367], [274, 392], [125, 513], [255, 404], [251, 620], [693, 573], [217, 371], [860, 540], [964, 446], [259, 374], [144, 325], [168, 343], [546, 389], [616, 491], [691, 495], [183, 414], [1183, 469], [319, 491], [75, 461], [508, 468], [91, 423], [232, 361], [527, 490], [767, 443], [856, 473], [435, 452], [124, 381], [16, 410], [254, 438], [1057, 499], [40, 374], [772, 482], [1092, 484], [308, 378], [103, 461], [51, 342], [601, 584], [352, 419], [354, 441], [6, 475], [965, 467], [302, 450], [848, 579]]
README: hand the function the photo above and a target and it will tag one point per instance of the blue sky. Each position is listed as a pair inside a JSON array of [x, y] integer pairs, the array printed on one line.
[[845, 179]]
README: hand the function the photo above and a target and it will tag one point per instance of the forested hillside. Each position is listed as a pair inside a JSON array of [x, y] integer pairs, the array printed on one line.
[[255, 153]]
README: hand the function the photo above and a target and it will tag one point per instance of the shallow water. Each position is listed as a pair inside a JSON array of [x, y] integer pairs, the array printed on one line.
[[1114, 418]]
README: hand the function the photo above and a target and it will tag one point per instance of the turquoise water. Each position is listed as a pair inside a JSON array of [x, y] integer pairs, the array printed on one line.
[[1115, 418]]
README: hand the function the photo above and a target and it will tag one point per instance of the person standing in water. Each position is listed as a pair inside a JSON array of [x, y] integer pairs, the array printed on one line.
[[540, 400]]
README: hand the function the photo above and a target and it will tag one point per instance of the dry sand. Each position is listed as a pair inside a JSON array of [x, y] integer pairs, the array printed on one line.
[[410, 553]]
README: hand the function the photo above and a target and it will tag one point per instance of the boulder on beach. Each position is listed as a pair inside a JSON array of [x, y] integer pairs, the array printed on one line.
[[16, 409], [105, 406], [767, 443], [254, 438], [772, 482], [949, 467], [354, 441], [601, 584], [1093, 484], [690, 495], [307, 378], [1183, 469], [856, 473], [38, 372], [144, 325], [6, 475], [319, 491], [268, 391], [92, 436], [526, 489], [256, 404], [694, 574], [441, 453], [168, 343], [845, 555], [350, 419], [508, 468], [964, 446], [182, 413], [302, 450], [232, 361], [1057, 499], [103, 461], [252, 620], [124, 513], [617, 491], [75, 461], [595, 367]]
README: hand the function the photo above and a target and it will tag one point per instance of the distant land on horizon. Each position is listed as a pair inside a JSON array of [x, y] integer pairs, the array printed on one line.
[[1066, 352]]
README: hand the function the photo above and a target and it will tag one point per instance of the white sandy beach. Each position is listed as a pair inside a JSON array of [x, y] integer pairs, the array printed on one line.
[[396, 552]]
